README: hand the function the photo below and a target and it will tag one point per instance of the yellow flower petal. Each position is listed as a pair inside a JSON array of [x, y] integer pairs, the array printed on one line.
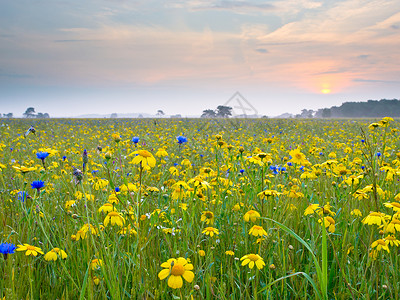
[[163, 274], [175, 282], [188, 276]]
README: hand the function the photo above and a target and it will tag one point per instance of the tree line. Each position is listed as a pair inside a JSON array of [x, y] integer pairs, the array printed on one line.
[[29, 114], [220, 112], [370, 109]]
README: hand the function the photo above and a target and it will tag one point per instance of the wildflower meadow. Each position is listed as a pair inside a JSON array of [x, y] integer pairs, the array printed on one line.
[[199, 209]]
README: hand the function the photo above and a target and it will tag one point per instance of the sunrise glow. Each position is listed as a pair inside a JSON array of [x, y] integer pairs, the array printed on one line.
[[325, 91]]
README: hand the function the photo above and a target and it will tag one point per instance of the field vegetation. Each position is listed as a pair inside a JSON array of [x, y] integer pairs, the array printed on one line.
[[199, 209]]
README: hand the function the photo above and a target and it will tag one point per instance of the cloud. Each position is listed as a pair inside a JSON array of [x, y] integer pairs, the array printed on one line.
[[73, 41], [15, 75], [375, 81], [262, 50], [240, 7]]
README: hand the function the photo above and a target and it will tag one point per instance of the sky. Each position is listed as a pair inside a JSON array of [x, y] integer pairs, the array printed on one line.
[[70, 58]]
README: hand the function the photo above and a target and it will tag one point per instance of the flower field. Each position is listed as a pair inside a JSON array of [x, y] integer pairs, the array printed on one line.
[[199, 209]]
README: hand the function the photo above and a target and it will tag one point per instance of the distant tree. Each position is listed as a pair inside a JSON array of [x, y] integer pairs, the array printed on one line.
[[29, 113], [160, 113], [42, 115], [224, 111], [140, 116], [9, 115], [208, 113], [307, 113], [326, 113], [114, 115]]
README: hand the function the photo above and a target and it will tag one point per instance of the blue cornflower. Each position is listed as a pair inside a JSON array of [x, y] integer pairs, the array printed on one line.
[[241, 171], [181, 139], [273, 169], [22, 196], [64, 158], [378, 154], [42, 155], [117, 189], [37, 184], [302, 168], [175, 164], [289, 164], [6, 248], [135, 140], [363, 141]]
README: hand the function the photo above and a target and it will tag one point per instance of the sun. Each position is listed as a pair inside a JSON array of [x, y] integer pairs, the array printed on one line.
[[326, 91]]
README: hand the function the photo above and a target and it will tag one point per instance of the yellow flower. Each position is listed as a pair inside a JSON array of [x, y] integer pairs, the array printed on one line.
[[183, 206], [80, 234], [329, 223], [115, 218], [208, 217], [30, 250], [360, 195], [127, 230], [161, 152], [100, 184], [391, 240], [268, 193], [202, 253], [394, 205], [380, 245], [311, 209], [23, 169], [210, 231], [372, 126], [393, 226], [356, 212], [107, 207], [144, 158], [54, 253], [152, 189], [113, 198], [96, 264], [176, 269], [257, 231], [229, 252], [236, 207], [128, 188], [374, 218], [298, 157], [353, 180], [251, 215], [92, 228], [116, 137], [69, 203], [96, 280], [253, 259]]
